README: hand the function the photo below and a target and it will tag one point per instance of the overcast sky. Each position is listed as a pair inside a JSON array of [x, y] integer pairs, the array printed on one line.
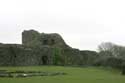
[[83, 24]]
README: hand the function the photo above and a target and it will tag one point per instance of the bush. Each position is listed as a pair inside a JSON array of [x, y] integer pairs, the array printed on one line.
[[123, 68], [109, 62]]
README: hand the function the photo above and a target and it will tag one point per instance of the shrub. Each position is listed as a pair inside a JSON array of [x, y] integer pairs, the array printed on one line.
[[123, 68], [109, 62]]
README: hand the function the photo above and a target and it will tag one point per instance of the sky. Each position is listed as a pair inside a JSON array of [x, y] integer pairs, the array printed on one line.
[[83, 24]]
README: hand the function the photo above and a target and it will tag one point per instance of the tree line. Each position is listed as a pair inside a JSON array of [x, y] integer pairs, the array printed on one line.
[[111, 55]]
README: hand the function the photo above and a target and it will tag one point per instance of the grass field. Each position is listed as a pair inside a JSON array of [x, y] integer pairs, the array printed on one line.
[[74, 75]]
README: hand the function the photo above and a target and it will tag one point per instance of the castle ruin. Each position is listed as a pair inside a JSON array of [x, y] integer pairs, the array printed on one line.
[[42, 49]]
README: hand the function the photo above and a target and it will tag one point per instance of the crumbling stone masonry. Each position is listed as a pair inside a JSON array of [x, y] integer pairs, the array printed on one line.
[[40, 49]]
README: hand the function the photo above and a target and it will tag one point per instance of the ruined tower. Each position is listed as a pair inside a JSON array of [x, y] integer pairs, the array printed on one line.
[[34, 38]]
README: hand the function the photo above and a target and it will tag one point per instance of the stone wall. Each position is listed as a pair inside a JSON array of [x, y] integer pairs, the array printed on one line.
[[13, 55], [42, 49]]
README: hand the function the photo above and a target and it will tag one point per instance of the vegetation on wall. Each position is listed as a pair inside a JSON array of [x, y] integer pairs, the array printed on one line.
[[56, 57]]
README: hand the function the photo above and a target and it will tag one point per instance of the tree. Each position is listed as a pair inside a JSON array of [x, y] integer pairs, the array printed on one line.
[[106, 46], [110, 49], [106, 49], [111, 55]]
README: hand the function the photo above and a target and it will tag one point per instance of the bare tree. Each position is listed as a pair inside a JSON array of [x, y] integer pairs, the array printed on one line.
[[109, 48]]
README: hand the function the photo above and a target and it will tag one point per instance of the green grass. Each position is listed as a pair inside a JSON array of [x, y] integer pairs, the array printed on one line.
[[74, 75]]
